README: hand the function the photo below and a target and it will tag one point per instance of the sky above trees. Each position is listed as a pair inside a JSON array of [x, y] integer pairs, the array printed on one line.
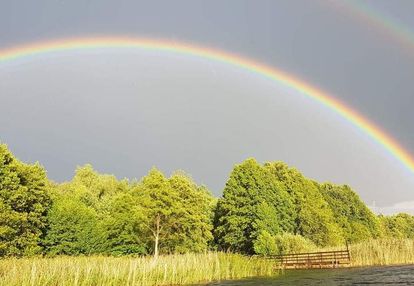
[[126, 111]]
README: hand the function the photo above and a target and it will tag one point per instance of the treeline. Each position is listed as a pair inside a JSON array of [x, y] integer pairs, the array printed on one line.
[[265, 209]]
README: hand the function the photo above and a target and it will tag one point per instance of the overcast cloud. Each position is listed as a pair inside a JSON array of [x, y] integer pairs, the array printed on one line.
[[125, 111]]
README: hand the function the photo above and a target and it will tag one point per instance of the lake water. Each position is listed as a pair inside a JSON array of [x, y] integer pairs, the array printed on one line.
[[390, 275]]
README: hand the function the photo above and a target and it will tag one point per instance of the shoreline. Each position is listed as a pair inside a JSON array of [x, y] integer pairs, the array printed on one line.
[[180, 269], [175, 269]]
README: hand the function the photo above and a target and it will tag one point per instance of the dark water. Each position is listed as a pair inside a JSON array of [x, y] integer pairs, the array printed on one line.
[[390, 275]]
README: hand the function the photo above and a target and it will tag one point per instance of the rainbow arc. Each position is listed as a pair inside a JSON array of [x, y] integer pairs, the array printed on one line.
[[294, 83]]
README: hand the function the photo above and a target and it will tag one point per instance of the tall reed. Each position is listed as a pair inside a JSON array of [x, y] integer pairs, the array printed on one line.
[[376, 252], [176, 269], [99, 270], [382, 252]]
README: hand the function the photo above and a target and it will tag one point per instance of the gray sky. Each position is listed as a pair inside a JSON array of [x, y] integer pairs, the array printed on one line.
[[126, 110]]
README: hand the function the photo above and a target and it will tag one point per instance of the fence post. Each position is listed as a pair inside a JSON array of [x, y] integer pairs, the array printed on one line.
[[297, 260], [320, 261], [347, 250]]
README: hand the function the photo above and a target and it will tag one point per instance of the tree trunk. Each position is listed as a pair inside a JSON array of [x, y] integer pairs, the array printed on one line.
[[157, 236], [156, 246]]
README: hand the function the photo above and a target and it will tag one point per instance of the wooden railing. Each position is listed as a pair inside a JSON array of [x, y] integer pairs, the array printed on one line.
[[324, 259]]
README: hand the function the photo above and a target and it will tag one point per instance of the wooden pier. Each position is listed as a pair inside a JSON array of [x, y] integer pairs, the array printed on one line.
[[325, 259]]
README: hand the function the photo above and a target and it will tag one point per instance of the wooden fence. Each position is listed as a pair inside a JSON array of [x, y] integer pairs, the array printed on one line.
[[324, 259]]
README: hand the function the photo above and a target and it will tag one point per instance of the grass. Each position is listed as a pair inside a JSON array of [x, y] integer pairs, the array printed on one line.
[[176, 269], [100, 270], [382, 252], [377, 252]]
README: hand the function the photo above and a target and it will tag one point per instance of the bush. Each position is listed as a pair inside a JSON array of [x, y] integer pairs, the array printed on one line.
[[267, 244]]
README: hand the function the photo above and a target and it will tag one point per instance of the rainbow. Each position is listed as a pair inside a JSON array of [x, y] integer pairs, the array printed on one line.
[[388, 26], [385, 140]]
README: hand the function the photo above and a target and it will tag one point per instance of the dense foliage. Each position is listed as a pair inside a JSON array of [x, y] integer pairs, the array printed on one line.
[[253, 201], [351, 214], [24, 202], [265, 209], [285, 243], [315, 219], [398, 226], [255, 213], [96, 213]]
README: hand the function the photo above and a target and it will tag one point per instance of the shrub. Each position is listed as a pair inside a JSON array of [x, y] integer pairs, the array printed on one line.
[[267, 244]]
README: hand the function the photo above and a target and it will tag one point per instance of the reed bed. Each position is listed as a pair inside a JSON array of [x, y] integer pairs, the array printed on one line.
[[100, 270], [382, 252], [176, 269], [377, 252]]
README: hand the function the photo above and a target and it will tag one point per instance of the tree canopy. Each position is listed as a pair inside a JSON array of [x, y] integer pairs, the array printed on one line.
[[315, 219], [265, 209], [24, 202], [357, 221], [253, 201]]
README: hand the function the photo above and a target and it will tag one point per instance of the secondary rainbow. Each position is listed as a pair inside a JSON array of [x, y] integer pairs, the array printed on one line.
[[390, 144], [387, 25]]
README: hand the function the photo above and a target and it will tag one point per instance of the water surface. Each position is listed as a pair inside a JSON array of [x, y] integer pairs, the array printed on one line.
[[389, 275]]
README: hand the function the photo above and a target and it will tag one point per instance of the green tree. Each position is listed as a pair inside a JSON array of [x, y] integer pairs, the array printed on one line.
[[162, 207], [85, 218], [193, 231], [352, 215], [121, 226], [315, 219], [177, 212], [397, 226], [253, 201], [24, 202], [72, 228], [94, 189]]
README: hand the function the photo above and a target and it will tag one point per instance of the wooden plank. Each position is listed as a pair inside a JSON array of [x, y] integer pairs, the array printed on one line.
[[323, 259], [315, 257], [319, 252]]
